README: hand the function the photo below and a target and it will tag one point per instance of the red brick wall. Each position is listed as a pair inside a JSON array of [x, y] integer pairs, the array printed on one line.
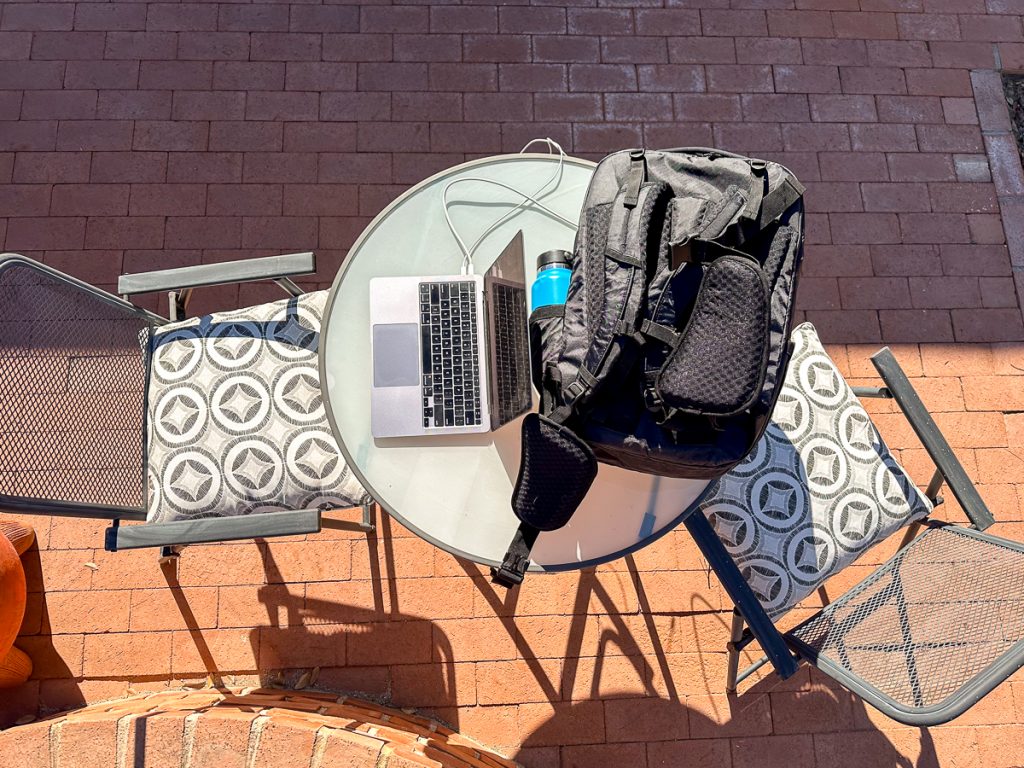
[[137, 135]]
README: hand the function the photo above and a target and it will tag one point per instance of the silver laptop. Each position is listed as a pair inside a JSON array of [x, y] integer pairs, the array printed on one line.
[[451, 353]]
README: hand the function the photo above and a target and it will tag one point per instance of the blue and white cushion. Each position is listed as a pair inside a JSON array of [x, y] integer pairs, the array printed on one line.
[[235, 416], [818, 490]]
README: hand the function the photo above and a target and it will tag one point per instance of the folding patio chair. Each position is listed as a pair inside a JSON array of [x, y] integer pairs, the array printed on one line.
[[929, 632], [206, 429]]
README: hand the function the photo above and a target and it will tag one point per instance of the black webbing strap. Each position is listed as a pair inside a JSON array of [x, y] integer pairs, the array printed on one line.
[[637, 172], [778, 200], [624, 258], [755, 194], [662, 333], [586, 377], [759, 209], [615, 245], [549, 386], [517, 559], [733, 202], [547, 312], [562, 413]]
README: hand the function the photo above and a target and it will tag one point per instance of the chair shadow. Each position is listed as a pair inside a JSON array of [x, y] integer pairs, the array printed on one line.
[[667, 705], [658, 696], [290, 331], [300, 616]]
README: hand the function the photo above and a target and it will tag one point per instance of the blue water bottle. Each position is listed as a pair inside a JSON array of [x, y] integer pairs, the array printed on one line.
[[552, 283]]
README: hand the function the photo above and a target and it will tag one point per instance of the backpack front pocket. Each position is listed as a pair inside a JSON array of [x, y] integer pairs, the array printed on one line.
[[717, 367]]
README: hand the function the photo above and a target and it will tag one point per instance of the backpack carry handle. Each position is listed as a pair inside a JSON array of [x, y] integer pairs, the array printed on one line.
[[711, 151]]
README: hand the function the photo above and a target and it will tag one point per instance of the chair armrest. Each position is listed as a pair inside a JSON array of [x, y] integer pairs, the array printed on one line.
[[247, 270], [212, 529], [931, 438]]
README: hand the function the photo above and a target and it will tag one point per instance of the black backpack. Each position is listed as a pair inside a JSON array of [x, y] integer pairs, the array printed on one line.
[[670, 350]]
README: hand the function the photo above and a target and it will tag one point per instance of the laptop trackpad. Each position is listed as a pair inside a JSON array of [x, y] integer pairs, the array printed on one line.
[[396, 355]]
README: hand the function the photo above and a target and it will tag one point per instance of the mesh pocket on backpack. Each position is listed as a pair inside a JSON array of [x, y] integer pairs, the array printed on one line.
[[556, 472], [598, 219], [717, 368]]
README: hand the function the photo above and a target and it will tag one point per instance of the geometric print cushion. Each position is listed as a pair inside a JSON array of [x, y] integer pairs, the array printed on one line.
[[235, 417], [817, 491]]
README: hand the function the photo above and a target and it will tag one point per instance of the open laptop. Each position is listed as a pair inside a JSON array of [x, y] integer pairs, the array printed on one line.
[[451, 353]]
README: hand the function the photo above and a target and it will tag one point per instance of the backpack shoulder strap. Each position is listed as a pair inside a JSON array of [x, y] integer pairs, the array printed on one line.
[[556, 470], [619, 293]]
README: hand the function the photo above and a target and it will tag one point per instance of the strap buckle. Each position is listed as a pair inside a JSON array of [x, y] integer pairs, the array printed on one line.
[[512, 571], [653, 400], [584, 380], [517, 558]]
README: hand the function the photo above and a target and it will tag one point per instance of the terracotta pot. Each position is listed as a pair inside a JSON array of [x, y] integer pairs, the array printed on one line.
[[12, 595], [21, 536], [15, 668]]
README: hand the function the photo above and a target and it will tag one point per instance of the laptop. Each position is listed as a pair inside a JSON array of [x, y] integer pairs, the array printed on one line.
[[450, 354]]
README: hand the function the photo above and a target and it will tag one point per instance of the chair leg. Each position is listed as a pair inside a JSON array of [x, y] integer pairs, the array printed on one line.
[[934, 486], [367, 523], [177, 304], [169, 555], [739, 639], [735, 636], [289, 286], [911, 532], [761, 627]]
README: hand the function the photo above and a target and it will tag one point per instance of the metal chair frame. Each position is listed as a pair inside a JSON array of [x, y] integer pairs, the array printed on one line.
[[786, 652], [179, 284]]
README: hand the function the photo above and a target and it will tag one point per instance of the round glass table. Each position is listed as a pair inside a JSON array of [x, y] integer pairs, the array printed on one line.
[[455, 491]]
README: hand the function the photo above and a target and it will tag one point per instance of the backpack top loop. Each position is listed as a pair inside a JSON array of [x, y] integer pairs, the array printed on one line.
[[637, 174]]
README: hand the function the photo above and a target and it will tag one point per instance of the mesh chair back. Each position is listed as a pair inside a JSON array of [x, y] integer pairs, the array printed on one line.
[[72, 392]]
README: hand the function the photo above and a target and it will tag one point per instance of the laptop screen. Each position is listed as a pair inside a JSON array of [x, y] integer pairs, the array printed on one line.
[[509, 264], [508, 331]]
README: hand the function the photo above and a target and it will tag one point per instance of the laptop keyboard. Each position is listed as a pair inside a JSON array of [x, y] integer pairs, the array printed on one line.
[[451, 361]]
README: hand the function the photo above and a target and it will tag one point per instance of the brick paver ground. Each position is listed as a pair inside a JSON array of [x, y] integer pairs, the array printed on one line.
[[139, 135]]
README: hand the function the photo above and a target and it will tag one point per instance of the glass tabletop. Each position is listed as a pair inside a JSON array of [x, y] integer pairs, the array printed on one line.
[[455, 491]]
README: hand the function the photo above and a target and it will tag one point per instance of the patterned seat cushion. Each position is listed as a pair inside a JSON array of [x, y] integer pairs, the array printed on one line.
[[818, 490], [235, 416]]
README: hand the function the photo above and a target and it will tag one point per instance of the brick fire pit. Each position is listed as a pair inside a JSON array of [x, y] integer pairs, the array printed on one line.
[[223, 728]]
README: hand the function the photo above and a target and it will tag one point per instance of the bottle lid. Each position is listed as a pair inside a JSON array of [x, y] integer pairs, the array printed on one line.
[[554, 258]]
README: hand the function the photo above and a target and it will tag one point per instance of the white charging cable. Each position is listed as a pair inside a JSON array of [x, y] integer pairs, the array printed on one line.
[[468, 251], [555, 177]]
